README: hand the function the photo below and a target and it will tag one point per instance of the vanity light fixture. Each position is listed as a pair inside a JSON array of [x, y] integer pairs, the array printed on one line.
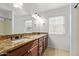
[[38, 18], [35, 15], [17, 5]]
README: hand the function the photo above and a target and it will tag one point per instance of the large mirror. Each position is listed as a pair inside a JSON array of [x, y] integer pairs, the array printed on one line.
[[16, 18]]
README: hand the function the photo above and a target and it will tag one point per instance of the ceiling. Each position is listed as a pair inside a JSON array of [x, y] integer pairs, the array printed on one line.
[[29, 8]]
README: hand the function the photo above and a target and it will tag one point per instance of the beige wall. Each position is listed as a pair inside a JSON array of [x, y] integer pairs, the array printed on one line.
[[75, 31]]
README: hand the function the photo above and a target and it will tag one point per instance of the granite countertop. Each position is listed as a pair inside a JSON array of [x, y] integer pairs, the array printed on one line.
[[8, 45], [35, 36]]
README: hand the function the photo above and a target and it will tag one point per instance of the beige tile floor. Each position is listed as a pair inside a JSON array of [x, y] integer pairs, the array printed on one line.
[[56, 52]]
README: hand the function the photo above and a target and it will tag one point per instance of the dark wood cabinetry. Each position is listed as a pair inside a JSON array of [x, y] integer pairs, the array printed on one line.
[[34, 48], [41, 44], [33, 51], [46, 41], [20, 51]]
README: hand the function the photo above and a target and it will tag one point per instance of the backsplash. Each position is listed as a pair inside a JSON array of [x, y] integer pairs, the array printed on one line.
[[17, 36]]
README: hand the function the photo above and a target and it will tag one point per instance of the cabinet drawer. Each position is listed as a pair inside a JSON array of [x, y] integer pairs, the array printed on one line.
[[41, 42], [35, 43]]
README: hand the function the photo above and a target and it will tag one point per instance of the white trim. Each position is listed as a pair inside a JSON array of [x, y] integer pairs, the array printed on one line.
[[12, 22], [70, 30]]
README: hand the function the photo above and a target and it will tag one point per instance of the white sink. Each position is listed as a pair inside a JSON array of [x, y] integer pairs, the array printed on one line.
[[21, 40]]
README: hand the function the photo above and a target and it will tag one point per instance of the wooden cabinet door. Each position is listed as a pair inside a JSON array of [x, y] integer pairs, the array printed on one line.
[[40, 51], [41, 46], [33, 51], [19, 51], [46, 41]]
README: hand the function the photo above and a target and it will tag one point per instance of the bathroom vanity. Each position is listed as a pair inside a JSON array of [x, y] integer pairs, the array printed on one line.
[[25, 45]]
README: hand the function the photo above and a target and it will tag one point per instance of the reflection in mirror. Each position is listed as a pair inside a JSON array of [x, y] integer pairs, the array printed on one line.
[[28, 26], [5, 22], [5, 26]]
